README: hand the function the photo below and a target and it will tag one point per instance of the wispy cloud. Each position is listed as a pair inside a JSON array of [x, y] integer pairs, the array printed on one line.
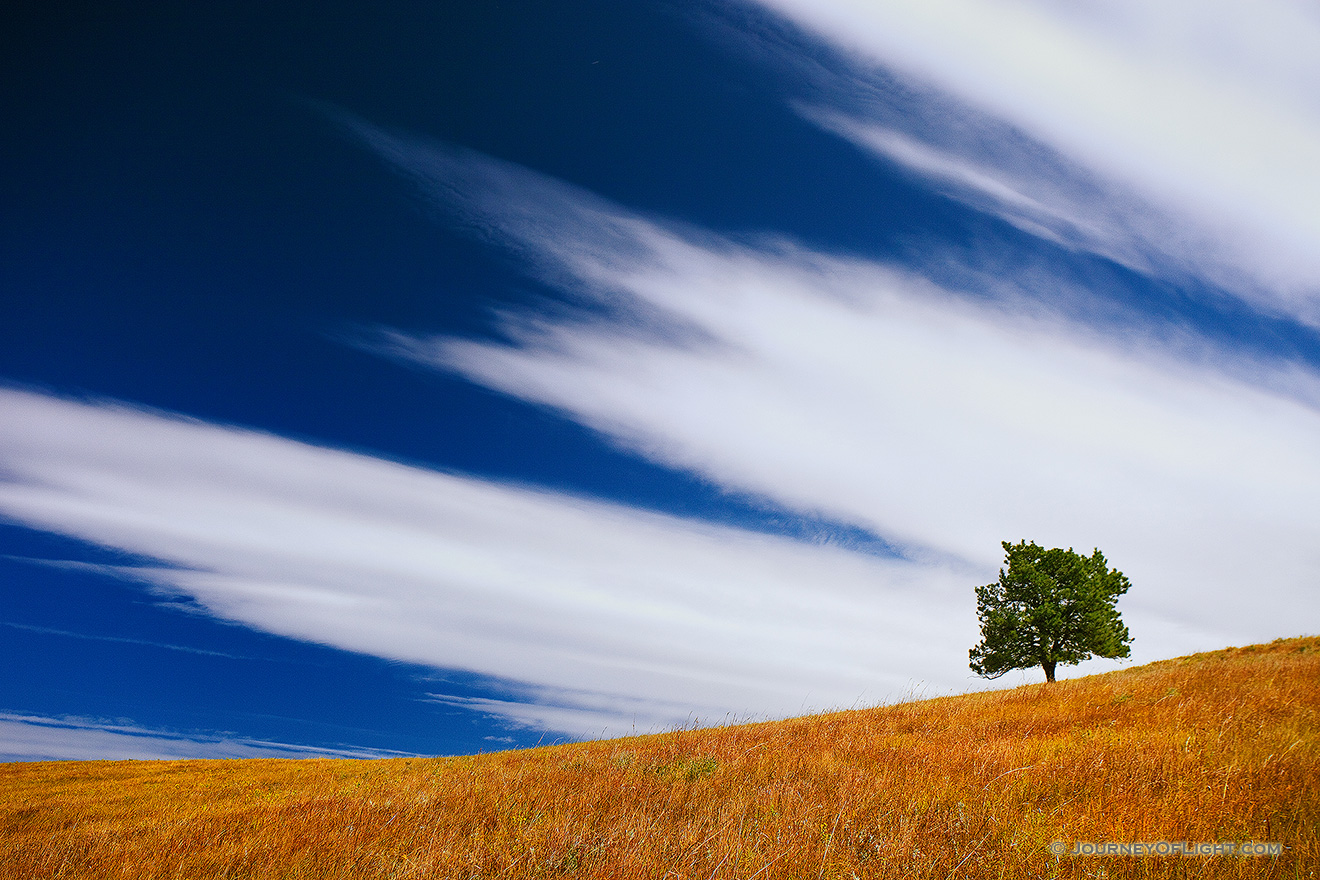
[[610, 618], [1047, 199], [1182, 131], [118, 640], [41, 738], [943, 422]]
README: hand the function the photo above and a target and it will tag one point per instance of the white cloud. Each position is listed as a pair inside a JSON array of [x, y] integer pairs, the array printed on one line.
[[40, 738], [113, 572], [610, 618], [948, 424], [1042, 198], [1199, 120]]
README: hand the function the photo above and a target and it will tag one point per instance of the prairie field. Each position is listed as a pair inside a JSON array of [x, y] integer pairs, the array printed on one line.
[[1222, 747]]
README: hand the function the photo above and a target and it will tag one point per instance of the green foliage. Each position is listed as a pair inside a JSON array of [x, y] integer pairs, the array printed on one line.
[[689, 769], [1049, 607]]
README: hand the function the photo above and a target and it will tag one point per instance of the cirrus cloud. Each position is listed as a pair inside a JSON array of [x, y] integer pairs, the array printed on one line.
[[1180, 135], [602, 618]]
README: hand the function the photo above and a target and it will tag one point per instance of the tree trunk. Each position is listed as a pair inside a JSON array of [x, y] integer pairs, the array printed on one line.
[[1048, 666]]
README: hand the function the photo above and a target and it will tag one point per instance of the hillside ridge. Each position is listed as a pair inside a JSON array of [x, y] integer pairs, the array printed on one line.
[[1221, 746]]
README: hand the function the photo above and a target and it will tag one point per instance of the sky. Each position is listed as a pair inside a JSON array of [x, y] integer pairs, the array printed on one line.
[[440, 377]]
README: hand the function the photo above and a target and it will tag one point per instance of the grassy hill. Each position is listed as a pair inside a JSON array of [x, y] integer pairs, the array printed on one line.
[[1222, 746]]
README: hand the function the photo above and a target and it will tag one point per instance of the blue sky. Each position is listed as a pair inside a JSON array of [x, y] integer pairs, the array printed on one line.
[[433, 378]]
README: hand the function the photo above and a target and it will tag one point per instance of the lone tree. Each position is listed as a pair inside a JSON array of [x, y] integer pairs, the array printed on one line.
[[1049, 607]]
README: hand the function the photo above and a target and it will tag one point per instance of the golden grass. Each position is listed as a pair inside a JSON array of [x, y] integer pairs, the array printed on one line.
[[1219, 746]]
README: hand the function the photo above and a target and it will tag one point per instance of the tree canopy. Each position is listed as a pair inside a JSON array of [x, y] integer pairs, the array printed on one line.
[[1049, 607]]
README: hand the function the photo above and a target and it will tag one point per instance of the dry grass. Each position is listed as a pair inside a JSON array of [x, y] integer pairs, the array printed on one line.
[[1219, 746]]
